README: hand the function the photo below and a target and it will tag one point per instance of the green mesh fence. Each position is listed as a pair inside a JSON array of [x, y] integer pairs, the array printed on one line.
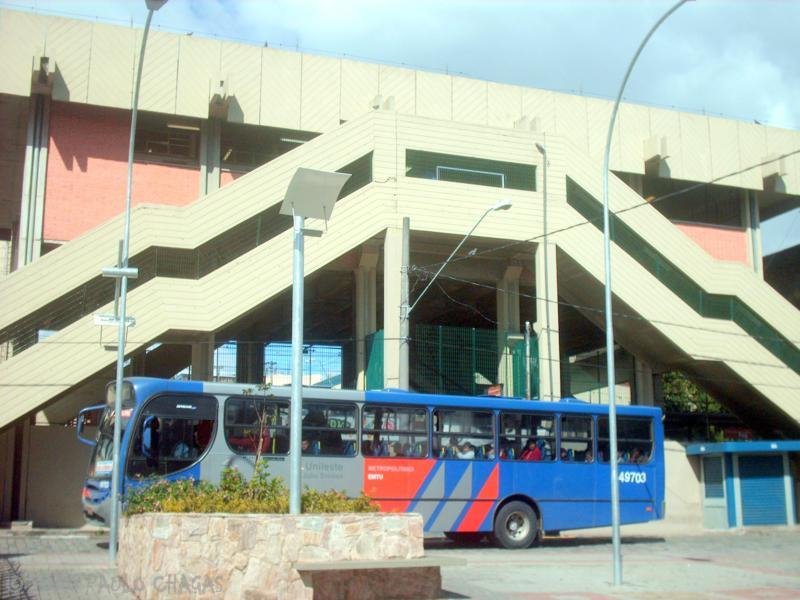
[[467, 169], [456, 360], [713, 306], [167, 262], [374, 350], [518, 353]]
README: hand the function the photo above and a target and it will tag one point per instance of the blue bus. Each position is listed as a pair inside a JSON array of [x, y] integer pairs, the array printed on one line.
[[471, 466]]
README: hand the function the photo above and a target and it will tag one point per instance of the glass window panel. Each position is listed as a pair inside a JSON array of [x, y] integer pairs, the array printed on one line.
[[634, 439], [527, 436], [463, 434], [250, 419], [172, 433], [329, 429], [394, 431], [576, 439]]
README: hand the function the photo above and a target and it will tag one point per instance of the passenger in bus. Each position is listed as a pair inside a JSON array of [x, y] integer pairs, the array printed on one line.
[[636, 456], [183, 450], [396, 449], [564, 455], [453, 448], [466, 452], [488, 451], [150, 440], [588, 457], [532, 451]]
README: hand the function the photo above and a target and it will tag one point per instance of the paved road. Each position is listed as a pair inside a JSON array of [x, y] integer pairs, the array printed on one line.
[[757, 564]]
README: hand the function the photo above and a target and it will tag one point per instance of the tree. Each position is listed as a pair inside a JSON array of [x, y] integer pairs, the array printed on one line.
[[684, 396]]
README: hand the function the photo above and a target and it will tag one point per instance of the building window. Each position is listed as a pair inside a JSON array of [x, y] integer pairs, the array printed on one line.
[[468, 169], [165, 139], [245, 147]]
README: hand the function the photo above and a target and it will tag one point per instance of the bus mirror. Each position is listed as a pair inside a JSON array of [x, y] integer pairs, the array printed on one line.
[[89, 416]]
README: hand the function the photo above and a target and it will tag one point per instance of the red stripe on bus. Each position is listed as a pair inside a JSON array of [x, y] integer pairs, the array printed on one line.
[[395, 478], [393, 506], [482, 503]]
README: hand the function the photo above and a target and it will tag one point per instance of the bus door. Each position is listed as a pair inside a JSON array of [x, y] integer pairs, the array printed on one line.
[[465, 482], [575, 481], [527, 451]]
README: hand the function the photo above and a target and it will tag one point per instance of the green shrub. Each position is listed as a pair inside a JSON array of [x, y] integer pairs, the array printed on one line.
[[235, 494]]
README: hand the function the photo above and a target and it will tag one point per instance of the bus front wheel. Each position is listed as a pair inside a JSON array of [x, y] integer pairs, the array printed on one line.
[[516, 525]]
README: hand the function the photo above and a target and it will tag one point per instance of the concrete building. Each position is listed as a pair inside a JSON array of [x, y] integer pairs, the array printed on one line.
[[224, 127]]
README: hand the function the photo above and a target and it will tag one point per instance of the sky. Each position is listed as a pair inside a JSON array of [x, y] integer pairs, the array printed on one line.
[[734, 58]]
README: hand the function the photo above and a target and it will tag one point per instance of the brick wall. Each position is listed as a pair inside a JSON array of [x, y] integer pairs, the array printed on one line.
[[87, 170], [723, 243], [226, 177]]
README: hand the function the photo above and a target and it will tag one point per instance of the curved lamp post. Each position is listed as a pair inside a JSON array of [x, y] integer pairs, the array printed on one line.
[[122, 272], [611, 367], [499, 205], [405, 309]]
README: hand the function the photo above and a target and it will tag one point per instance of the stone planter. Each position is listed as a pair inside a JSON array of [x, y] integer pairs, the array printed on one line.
[[175, 555]]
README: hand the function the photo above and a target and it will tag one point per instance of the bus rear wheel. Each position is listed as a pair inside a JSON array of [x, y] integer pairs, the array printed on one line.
[[516, 525]]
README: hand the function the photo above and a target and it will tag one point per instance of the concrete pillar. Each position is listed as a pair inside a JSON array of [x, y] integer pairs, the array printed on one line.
[[752, 225], [19, 473], [366, 309], [250, 362], [210, 155], [508, 322], [203, 359], [31, 225], [392, 298], [547, 321], [643, 383], [6, 473]]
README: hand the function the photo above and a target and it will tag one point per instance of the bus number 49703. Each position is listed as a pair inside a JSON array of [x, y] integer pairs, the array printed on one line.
[[631, 477]]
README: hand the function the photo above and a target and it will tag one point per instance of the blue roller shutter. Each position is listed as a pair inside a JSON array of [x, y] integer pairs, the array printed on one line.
[[763, 492]]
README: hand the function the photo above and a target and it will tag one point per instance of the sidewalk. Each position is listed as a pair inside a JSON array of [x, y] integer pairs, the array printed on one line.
[[62, 564]]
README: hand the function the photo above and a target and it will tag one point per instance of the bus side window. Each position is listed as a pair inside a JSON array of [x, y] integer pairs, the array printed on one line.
[[394, 431], [252, 420], [329, 428], [528, 436], [576, 439], [634, 439], [462, 434]]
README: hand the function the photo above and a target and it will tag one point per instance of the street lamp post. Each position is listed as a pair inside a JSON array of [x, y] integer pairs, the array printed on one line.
[[123, 273], [310, 194], [550, 359], [405, 309], [610, 366]]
